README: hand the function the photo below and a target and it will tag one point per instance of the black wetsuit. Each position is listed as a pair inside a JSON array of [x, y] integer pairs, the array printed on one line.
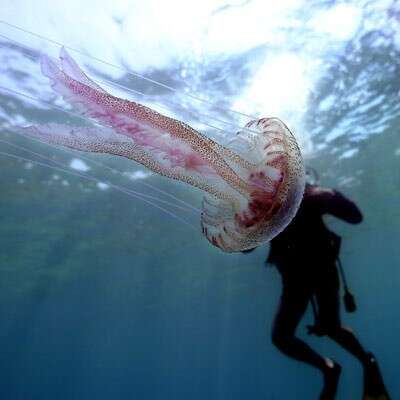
[[305, 254]]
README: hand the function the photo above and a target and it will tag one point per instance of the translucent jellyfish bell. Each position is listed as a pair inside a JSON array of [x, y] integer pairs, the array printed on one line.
[[274, 172]]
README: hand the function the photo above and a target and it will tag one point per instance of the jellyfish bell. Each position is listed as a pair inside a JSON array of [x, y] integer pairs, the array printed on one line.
[[253, 188], [275, 176]]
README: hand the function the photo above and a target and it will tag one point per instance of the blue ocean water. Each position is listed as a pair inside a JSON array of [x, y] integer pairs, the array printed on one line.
[[104, 296]]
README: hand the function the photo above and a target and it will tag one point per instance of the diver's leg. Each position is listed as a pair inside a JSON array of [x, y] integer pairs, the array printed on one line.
[[295, 297], [329, 314], [374, 386], [346, 338], [291, 309], [328, 301]]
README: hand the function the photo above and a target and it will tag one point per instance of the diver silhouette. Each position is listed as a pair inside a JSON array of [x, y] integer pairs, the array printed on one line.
[[305, 254]]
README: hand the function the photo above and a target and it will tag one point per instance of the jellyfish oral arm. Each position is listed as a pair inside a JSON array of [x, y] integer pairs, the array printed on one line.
[[149, 129], [106, 141]]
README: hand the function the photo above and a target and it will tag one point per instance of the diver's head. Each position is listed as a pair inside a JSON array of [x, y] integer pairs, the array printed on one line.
[[312, 177]]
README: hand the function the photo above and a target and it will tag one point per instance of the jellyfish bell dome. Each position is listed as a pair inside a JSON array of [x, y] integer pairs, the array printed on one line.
[[275, 177]]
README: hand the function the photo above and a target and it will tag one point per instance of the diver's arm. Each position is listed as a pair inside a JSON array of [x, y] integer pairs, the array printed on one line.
[[335, 203], [248, 250]]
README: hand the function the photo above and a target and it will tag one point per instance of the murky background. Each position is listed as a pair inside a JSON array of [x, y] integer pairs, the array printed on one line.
[[105, 295]]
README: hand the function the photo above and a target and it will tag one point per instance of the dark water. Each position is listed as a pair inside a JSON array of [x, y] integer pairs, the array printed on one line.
[[103, 296]]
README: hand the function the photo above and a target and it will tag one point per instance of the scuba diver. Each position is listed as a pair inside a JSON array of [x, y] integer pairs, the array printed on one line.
[[306, 256]]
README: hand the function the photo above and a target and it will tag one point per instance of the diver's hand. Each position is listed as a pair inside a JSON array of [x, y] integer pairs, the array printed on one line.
[[318, 190], [248, 250]]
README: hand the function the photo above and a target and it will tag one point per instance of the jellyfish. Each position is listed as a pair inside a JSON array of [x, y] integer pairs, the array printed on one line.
[[252, 189]]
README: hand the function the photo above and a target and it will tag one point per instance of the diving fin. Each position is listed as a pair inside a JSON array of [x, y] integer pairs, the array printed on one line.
[[374, 387]]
